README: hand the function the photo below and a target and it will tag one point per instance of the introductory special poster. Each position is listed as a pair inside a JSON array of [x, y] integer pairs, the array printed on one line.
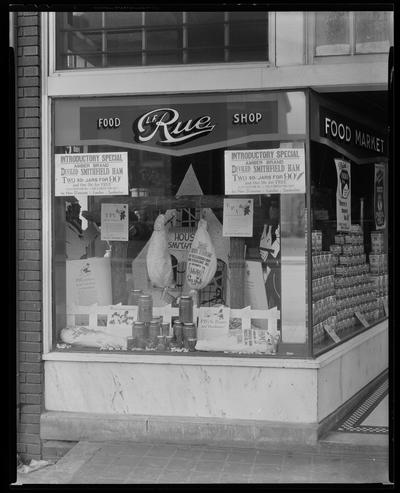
[[114, 222], [265, 171], [238, 217], [343, 195], [379, 196], [95, 173]]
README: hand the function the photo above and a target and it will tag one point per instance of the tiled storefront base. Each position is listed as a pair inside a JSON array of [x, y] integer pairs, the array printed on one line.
[[172, 429]]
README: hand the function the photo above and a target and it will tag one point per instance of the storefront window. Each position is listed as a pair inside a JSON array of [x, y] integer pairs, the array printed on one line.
[[349, 33], [111, 39], [183, 209], [349, 228]]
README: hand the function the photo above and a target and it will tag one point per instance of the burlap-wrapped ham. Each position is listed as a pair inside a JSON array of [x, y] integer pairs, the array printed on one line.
[[202, 260]]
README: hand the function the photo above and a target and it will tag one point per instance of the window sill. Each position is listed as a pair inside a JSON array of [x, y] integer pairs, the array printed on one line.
[[178, 359]]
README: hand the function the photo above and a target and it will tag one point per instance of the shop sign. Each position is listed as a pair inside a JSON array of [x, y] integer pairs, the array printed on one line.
[[343, 195], [264, 171], [379, 196], [350, 134], [97, 173], [178, 128], [167, 127]]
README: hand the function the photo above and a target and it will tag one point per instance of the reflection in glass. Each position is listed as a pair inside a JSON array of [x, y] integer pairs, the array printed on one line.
[[332, 33], [372, 32]]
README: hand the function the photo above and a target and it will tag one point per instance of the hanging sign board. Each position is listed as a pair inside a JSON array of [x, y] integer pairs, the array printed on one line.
[[379, 196], [114, 222], [343, 195], [97, 173], [265, 171]]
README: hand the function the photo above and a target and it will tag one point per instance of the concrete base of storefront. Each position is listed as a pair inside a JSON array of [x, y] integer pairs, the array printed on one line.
[[172, 429], [212, 400]]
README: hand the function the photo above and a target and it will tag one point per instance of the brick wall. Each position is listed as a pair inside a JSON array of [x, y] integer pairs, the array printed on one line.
[[29, 321]]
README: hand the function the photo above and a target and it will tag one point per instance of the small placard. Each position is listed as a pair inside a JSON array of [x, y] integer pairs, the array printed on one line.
[[114, 222], [361, 318], [331, 331], [238, 217]]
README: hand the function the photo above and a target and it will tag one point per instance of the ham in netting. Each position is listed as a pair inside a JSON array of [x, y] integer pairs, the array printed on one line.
[[158, 259]]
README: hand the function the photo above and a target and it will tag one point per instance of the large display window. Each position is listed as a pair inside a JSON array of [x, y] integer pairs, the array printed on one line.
[[179, 224], [209, 223], [349, 217]]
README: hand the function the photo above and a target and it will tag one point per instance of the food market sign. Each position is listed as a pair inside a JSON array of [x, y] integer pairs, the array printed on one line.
[[95, 173], [347, 132], [264, 171]]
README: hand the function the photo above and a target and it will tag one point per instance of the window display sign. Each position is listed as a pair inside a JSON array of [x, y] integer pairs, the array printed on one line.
[[97, 173], [88, 281], [213, 322], [265, 171], [238, 217], [379, 196], [343, 195], [114, 222]]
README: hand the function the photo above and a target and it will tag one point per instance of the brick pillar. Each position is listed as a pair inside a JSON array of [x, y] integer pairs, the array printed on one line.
[[29, 295]]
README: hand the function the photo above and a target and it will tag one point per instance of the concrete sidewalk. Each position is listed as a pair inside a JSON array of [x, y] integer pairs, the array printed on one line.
[[130, 462]]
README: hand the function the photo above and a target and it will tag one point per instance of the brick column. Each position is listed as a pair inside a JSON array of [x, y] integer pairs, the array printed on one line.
[[29, 295]]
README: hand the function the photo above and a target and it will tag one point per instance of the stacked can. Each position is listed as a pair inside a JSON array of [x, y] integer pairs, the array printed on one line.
[[178, 333], [145, 308], [154, 331], [189, 336], [134, 295], [186, 309], [139, 334]]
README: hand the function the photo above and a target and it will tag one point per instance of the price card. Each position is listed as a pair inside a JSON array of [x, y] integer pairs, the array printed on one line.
[[361, 318], [331, 331]]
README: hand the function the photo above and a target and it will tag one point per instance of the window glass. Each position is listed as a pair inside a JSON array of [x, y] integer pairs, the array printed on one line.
[[106, 39], [332, 33], [372, 32], [123, 19], [141, 206], [349, 245]]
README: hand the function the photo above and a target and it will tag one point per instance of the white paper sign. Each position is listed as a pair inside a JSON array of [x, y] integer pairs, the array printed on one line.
[[88, 281], [213, 322], [343, 195], [122, 317], [97, 173], [264, 171], [238, 217], [114, 222]]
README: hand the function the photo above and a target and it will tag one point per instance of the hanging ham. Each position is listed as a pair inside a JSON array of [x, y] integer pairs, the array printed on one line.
[[202, 260], [158, 259]]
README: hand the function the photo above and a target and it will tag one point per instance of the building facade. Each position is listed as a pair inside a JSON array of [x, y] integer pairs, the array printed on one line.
[[174, 114]]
